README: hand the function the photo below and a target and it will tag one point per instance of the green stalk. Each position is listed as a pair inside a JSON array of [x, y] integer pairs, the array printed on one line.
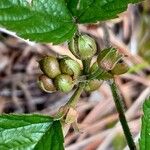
[[86, 66], [76, 95], [122, 118], [71, 103]]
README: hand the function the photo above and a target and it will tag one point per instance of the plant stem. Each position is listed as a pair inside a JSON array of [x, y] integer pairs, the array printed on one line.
[[122, 118], [71, 103], [86, 66], [76, 95]]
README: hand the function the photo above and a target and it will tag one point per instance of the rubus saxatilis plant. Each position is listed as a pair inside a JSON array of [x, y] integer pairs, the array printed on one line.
[[56, 21]]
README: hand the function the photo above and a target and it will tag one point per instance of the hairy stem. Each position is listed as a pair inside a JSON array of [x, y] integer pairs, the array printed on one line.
[[122, 118]]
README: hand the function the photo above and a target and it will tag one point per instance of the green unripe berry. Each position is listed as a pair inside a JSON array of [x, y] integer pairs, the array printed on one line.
[[70, 67], [120, 68], [93, 85], [108, 58], [83, 46], [46, 84], [50, 66], [102, 74], [64, 83], [111, 61]]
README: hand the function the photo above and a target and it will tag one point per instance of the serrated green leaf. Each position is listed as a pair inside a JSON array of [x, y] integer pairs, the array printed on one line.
[[145, 132], [40, 20], [89, 11], [30, 132]]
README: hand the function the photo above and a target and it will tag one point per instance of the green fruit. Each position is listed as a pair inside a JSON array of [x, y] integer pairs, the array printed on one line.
[[70, 67], [101, 74], [108, 58], [50, 66], [83, 46], [64, 83], [120, 68], [46, 84], [93, 85]]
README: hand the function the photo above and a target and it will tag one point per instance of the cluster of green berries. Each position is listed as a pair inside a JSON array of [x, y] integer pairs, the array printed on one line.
[[62, 74], [58, 73]]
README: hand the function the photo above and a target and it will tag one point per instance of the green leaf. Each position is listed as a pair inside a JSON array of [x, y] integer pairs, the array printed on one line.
[[30, 132], [145, 132], [40, 20], [51, 20], [89, 11]]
